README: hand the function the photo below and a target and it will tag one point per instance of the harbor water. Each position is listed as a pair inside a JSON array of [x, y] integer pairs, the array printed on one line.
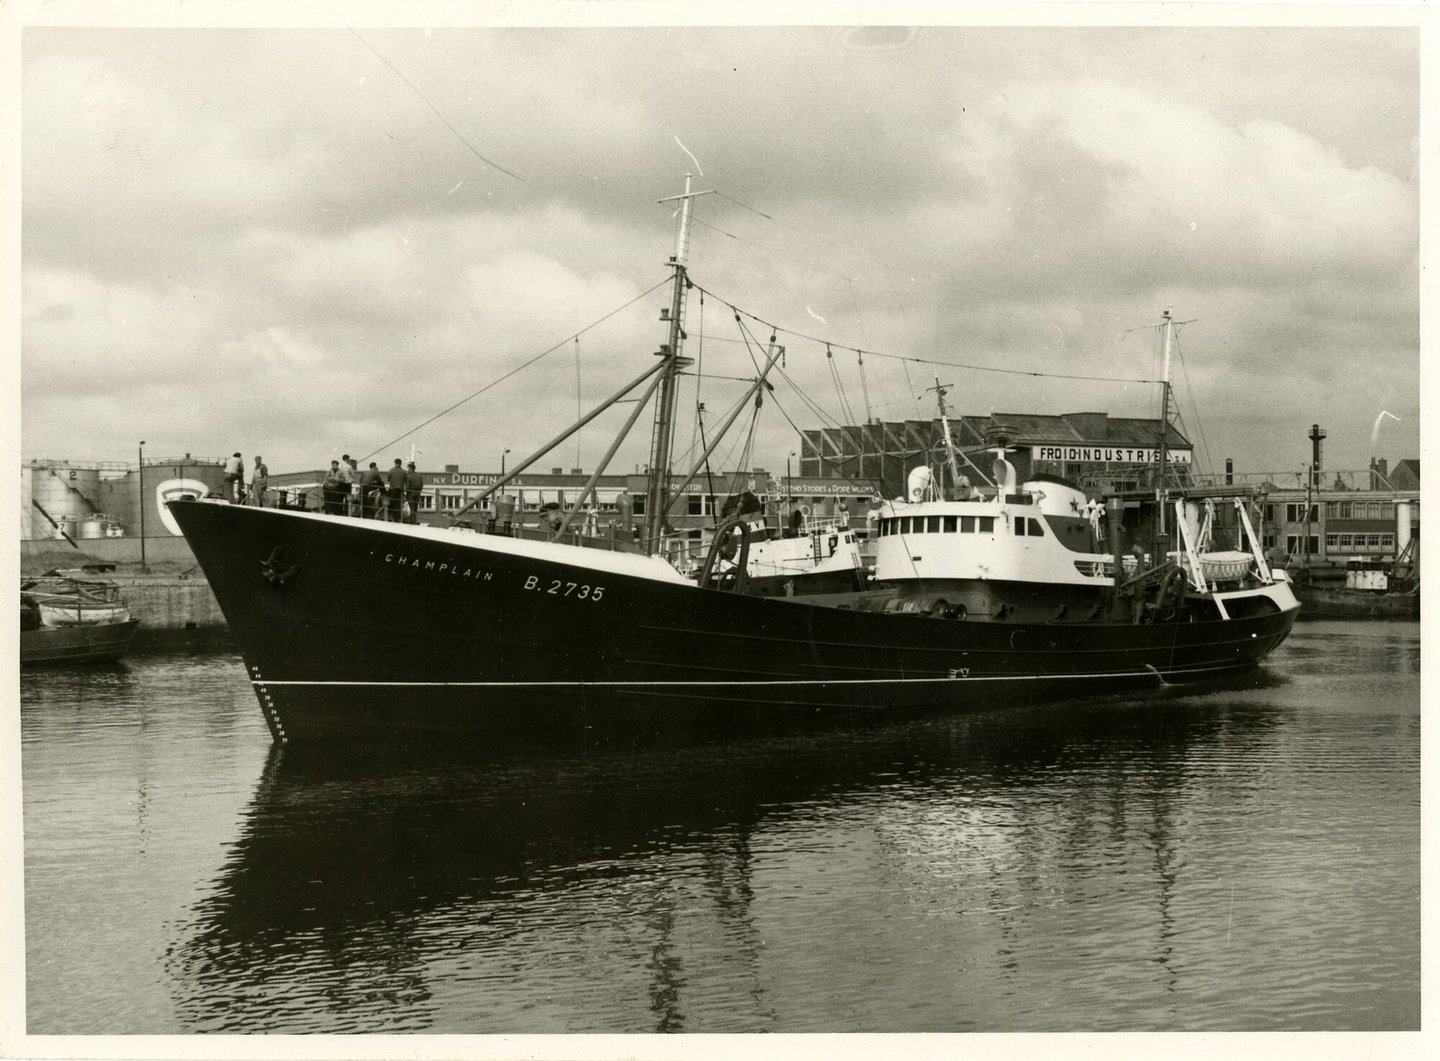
[[1235, 858]]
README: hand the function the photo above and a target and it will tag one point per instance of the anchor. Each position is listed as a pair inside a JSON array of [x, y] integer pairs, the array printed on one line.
[[274, 574]]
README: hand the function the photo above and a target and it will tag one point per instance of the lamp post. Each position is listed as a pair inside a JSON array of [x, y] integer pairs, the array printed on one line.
[[141, 468], [788, 487], [502, 464]]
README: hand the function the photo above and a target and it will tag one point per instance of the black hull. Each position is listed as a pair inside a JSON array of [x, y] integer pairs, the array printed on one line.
[[83, 643], [353, 629]]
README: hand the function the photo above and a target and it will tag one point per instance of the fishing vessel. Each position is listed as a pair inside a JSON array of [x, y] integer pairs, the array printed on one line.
[[73, 616], [355, 628], [1374, 588]]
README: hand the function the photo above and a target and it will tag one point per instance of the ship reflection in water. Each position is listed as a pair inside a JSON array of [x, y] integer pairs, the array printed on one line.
[[1105, 865], [1242, 857]]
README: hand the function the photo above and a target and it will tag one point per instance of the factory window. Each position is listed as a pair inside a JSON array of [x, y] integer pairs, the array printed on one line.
[[1343, 509], [699, 504], [1295, 513], [427, 502], [1297, 544], [449, 502], [637, 505]]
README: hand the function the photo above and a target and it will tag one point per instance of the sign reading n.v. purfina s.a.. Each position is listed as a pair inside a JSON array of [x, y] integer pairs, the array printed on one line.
[[1107, 454]]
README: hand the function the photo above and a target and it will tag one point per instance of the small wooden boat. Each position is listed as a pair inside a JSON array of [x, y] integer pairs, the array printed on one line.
[[73, 616]]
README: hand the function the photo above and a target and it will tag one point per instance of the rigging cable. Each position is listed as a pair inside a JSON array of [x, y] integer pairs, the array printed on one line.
[[912, 359], [699, 374], [865, 387], [425, 99], [1190, 391], [849, 249], [518, 368], [839, 388]]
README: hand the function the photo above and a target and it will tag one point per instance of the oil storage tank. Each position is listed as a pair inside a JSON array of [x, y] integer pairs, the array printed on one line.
[[65, 491]]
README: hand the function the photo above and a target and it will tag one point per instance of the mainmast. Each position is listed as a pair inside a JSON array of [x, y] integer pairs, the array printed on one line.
[[657, 501], [950, 460], [1162, 453]]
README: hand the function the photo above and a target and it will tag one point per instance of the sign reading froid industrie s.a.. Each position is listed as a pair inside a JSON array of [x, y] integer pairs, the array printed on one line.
[[1083, 454]]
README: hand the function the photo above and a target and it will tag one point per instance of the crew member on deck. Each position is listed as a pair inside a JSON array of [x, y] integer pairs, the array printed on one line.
[[234, 477], [345, 479], [414, 486], [259, 481], [395, 492], [328, 489], [372, 488]]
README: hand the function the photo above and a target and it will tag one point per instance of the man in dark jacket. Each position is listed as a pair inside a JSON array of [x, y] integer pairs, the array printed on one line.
[[372, 488], [414, 486], [395, 492]]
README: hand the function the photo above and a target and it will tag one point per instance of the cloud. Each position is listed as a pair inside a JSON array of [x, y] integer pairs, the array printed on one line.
[[287, 209]]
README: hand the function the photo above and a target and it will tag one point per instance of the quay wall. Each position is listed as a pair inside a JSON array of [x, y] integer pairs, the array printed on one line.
[[175, 611]]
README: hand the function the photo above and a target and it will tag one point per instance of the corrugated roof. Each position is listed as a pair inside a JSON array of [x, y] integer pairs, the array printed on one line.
[[1119, 430]]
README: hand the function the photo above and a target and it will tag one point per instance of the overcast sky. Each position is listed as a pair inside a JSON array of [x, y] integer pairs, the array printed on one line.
[[299, 242]]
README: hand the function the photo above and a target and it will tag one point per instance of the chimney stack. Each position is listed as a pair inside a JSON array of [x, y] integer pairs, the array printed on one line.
[[1317, 436]]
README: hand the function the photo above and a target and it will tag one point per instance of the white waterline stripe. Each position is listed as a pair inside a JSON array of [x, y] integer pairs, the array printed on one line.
[[746, 684]]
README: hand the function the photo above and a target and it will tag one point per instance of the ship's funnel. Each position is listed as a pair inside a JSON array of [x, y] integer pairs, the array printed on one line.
[[1004, 475], [919, 484]]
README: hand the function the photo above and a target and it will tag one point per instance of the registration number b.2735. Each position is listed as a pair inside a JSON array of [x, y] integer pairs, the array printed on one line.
[[560, 588]]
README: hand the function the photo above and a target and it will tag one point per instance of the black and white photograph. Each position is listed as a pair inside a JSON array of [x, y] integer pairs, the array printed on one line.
[[616, 529]]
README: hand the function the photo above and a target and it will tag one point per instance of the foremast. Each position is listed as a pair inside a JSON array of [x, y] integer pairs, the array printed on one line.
[[657, 501]]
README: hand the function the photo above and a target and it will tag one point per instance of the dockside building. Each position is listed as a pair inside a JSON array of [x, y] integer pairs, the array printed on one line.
[[1096, 451]]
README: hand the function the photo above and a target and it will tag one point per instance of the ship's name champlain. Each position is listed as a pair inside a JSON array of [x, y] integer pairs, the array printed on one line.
[[439, 567]]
